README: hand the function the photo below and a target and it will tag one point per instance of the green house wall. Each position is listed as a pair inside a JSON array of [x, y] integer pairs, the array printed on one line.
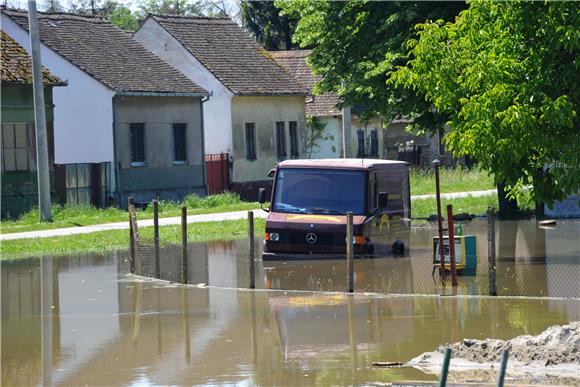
[[19, 189]]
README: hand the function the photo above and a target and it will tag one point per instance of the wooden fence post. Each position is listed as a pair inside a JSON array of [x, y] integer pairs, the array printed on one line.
[[349, 253], [451, 245], [184, 265], [131, 237], [156, 237], [439, 221], [251, 248]]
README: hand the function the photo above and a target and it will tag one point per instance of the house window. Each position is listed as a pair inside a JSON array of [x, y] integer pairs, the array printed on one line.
[[293, 130], [250, 141], [280, 140], [137, 143], [179, 144], [15, 147], [361, 143], [374, 143]]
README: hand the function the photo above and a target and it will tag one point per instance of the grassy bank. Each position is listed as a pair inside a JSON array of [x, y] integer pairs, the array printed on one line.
[[118, 239], [197, 232], [451, 180], [72, 216]]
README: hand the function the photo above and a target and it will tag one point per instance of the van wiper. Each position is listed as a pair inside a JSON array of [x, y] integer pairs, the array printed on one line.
[[325, 210]]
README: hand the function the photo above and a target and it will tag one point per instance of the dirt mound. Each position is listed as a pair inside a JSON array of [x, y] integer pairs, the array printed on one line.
[[553, 354], [556, 345]]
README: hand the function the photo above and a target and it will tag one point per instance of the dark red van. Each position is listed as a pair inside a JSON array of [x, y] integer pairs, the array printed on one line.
[[310, 199]]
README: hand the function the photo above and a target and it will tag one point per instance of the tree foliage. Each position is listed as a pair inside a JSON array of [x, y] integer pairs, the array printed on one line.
[[506, 73], [359, 43], [273, 30]]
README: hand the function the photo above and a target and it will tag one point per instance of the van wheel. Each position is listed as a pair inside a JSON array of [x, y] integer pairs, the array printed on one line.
[[398, 248]]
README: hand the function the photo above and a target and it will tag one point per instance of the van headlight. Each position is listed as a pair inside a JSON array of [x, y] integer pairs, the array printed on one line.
[[274, 236]]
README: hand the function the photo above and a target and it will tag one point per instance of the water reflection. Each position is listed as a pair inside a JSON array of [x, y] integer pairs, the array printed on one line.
[[105, 327]]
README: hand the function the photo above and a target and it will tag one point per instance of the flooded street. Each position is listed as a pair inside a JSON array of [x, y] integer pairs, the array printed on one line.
[[96, 324]]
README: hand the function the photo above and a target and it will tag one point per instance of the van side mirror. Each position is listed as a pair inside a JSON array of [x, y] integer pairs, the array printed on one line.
[[383, 199], [262, 195], [272, 172]]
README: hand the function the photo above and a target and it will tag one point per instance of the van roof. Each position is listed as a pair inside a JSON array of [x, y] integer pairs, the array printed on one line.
[[340, 163]]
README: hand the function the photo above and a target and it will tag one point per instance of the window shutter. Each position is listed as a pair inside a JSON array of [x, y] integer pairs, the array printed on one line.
[[137, 142], [250, 141], [179, 143], [280, 140], [361, 143], [374, 143], [293, 128]]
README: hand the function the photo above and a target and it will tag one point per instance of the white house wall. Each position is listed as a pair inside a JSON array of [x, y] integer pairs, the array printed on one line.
[[83, 117], [216, 111], [330, 143]]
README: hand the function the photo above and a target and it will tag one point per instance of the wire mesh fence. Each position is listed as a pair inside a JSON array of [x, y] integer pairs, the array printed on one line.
[[239, 264]]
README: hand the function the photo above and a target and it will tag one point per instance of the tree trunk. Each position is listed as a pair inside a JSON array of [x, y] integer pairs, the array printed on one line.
[[508, 208]]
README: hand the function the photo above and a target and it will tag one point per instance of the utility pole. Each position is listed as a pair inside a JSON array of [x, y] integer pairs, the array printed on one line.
[[345, 129], [39, 117]]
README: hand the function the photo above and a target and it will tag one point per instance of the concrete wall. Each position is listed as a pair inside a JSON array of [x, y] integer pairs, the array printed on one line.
[[217, 111], [356, 124], [264, 112], [159, 175], [83, 117]]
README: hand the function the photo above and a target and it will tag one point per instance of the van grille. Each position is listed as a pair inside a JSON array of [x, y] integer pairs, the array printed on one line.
[[322, 238]]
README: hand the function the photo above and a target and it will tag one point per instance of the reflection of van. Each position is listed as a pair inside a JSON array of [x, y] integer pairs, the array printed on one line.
[[310, 199]]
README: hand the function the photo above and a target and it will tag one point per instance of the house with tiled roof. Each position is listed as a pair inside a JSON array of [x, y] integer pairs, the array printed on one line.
[[372, 138], [256, 113], [18, 173], [127, 124]]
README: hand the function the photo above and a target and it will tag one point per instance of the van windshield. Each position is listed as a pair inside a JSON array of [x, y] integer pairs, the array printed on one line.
[[319, 191]]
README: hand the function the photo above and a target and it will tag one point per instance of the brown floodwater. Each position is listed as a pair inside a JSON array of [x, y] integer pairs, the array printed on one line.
[[78, 320]]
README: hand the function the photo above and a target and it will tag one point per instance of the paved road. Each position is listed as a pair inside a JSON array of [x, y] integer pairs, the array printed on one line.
[[190, 219]]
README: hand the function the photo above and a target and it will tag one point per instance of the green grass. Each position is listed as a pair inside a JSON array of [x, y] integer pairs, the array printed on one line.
[[451, 179], [118, 239], [423, 208], [71, 216]]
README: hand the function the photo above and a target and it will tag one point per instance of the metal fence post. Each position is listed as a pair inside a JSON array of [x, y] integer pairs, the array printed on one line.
[[502, 368], [445, 368], [439, 221], [451, 245], [349, 253], [131, 236], [156, 237], [491, 251], [251, 253], [184, 267]]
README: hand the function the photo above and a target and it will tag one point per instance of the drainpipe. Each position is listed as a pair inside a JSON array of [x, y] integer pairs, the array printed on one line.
[[203, 99]]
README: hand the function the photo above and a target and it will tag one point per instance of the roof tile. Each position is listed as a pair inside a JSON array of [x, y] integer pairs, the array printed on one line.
[[231, 55], [323, 105], [17, 64], [107, 53]]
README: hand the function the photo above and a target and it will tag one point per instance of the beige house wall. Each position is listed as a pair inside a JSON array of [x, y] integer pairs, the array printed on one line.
[[264, 112]]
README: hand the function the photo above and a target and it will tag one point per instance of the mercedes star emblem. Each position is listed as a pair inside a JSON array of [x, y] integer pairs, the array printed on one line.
[[311, 238]]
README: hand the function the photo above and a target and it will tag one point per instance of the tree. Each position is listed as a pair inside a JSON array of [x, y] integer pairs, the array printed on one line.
[[273, 30], [52, 6], [506, 73], [173, 7], [359, 43]]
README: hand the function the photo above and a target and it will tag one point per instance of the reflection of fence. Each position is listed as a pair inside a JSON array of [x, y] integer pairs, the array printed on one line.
[[147, 258]]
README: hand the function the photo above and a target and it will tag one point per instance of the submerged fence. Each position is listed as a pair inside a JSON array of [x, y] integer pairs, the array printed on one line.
[[239, 263]]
